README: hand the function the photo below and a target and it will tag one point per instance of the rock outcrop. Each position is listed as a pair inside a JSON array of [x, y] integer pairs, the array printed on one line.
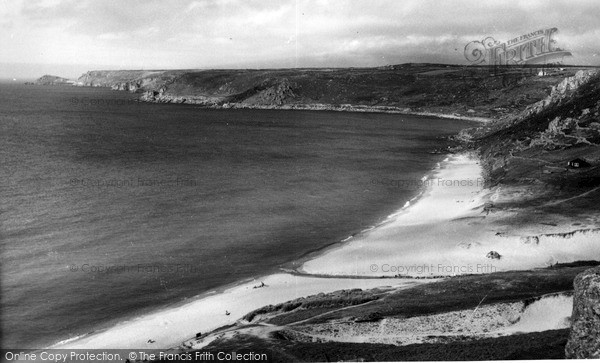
[[277, 92], [584, 340], [132, 86], [570, 129], [493, 255], [48, 80], [530, 240], [561, 92]]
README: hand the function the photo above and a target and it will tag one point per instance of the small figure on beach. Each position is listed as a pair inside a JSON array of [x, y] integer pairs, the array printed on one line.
[[227, 312]]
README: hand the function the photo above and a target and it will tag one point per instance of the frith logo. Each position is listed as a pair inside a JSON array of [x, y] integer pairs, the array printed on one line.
[[534, 47]]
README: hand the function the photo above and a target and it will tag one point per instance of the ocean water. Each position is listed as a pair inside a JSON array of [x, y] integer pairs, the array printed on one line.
[[111, 208]]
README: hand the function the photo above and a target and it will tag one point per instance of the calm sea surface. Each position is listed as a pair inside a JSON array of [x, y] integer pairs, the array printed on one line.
[[111, 208]]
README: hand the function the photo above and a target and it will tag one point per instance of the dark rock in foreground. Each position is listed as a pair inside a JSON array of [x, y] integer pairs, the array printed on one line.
[[584, 340]]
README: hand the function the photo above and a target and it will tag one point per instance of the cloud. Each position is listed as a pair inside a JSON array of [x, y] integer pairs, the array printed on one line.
[[214, 33]]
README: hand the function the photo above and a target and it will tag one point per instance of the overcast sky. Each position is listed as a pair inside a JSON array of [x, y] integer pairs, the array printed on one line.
[[71, 36]]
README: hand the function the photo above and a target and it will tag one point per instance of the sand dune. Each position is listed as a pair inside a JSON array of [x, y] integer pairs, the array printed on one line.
[[549, 312]]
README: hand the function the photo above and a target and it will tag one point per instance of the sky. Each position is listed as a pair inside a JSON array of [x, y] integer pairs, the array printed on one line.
[[70, 37]]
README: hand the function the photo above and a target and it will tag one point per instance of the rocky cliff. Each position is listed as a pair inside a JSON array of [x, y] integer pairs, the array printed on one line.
[[426, 88], [132, 81], [584, 340], [580, 125]]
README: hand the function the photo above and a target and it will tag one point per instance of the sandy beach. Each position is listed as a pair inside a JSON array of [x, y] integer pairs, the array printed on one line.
[[170, 327], [448, 231], [445, 232]]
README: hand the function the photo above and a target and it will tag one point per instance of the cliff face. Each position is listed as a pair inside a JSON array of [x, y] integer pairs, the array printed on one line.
[[449, 89], [580, 125], [132, 81], [584, 340], [560, 93]]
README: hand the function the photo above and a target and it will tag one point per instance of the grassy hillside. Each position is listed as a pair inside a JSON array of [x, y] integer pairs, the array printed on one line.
[[531, 149], [448, 89]]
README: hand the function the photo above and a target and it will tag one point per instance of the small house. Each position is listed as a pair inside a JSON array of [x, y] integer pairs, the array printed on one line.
[[578, 163]]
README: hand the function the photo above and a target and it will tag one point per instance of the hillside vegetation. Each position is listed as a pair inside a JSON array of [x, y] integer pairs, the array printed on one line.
[[442, 89], [531, 149]]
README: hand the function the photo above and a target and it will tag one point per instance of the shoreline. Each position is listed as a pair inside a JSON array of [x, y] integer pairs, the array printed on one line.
[[375, 248], [219, 105], [102, 328], [336, 267], [315, 107], [451, 231], [170, 327], [297, 270], [285, 269], [278, 290]]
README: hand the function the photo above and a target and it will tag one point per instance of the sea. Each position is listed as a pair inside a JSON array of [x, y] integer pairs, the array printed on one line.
[[111, 208]]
